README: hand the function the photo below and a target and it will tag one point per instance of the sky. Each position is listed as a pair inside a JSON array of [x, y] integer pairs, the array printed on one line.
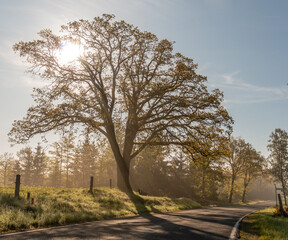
[[241, 46]]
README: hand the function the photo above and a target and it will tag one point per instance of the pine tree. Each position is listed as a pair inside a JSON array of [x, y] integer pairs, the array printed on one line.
[[25, 156], [39, 166], [56, 165], [85, 162], [16, 169], [68, 150], [6, 161], [105, 167]]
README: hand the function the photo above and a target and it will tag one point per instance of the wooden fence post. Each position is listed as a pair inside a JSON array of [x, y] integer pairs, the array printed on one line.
[[282, 212], [91, 185], [110, 183], [17, 186]]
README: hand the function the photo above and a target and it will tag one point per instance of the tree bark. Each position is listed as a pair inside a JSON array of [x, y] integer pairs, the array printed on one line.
[[231, 189], [245, 185], [284, 192], [67, 177], [123, 165], [244, 194], [123, 181], [4, 175], [203, 183]]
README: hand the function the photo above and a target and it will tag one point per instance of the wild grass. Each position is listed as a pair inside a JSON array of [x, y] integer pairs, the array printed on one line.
[[60, 206], [263, 225], [234, 204]]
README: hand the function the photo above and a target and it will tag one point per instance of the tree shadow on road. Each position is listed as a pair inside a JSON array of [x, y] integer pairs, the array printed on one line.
[[164, 228]]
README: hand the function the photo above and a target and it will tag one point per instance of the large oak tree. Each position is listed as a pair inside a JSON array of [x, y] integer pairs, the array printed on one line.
[[125, 80]]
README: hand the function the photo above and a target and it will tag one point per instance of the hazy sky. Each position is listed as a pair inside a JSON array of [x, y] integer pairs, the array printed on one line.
[[241, 46]]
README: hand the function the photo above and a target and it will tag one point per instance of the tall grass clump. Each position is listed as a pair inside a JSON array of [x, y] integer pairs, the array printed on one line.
[[264, 225]]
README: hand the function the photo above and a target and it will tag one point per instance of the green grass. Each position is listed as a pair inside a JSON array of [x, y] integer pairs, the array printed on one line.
[[60, 206], [262, 225]]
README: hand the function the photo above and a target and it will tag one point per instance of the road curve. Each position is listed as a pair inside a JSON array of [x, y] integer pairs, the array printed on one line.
[[205, 224]]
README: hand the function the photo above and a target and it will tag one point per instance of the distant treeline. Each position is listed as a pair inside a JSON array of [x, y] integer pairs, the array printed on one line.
[[156, 171], [64, 164]]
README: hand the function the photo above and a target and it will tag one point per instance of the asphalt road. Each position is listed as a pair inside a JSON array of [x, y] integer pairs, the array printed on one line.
[[208, 223]]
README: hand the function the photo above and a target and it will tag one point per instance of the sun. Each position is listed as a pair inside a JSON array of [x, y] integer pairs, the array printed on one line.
[[68, 52]]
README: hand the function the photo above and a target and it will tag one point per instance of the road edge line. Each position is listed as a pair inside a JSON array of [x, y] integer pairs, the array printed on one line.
[[235, 231]]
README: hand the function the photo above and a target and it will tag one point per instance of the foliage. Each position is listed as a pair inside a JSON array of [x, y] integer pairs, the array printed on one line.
[[63, 157], [254, 166], [159, 171], [6, 166], [206, 165], [278, 158], [124, 81], [31, 165], [39, 166], [242, 161], [59, 206]]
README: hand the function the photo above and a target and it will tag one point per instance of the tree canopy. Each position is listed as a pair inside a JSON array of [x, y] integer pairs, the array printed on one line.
[[124, 80]]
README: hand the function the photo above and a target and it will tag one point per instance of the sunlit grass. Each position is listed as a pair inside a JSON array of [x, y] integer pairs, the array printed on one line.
[[263, 225], [60, 206], [235, 204]]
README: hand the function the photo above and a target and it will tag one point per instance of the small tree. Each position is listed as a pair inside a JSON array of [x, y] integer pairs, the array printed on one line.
[[39, 166], [123, 79], [54, 177], [252, 168], [278, 158], [6, 161], [16, 169], [84, 164], [68, 149], [206, 157], [25, 156], [106, 168], [234, 161], [62, 156], [56, 161]]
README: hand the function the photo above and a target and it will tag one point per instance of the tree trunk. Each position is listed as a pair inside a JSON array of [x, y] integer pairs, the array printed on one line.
[[123, 161], [123, 166], [67, 173], [4, 175], [123, 181], [231, 190], [284, 191], [203, 183], [245, 185], [60, 170], [83, 179], [244, 194]]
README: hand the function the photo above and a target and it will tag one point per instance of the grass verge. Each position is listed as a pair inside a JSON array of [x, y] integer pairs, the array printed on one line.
[[262, 225], [60, 206], [235, 204]]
